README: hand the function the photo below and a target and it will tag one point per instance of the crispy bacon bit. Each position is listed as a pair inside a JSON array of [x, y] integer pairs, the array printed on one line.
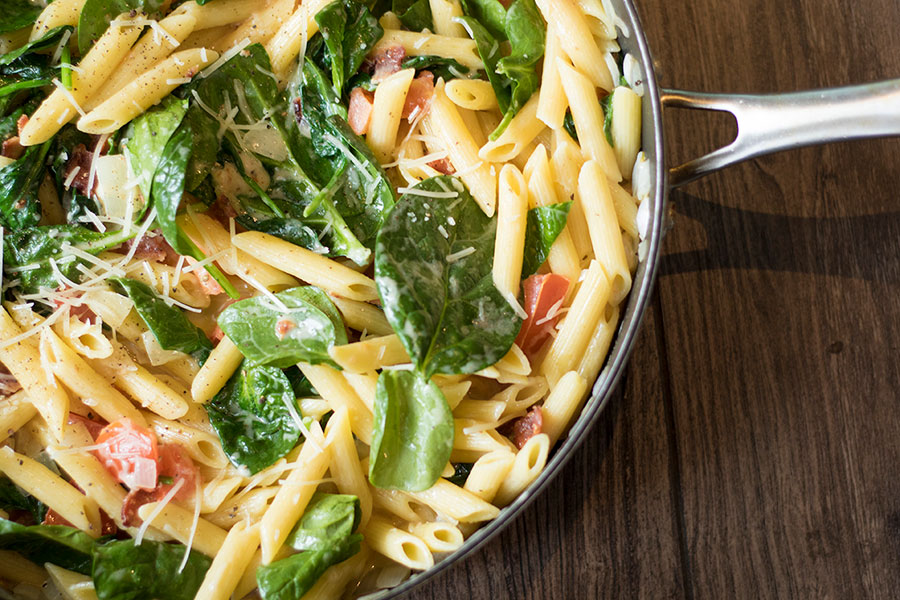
[[152, 247], [8, 383], [12, 148], [79, 311], [442, 165], [209, 285], [298, 109], [82, 158], [360, 111], [387, 62], [283, 326], [133, 501], [21, 123], [525, 428], [222, 211], [418, 98], [54, 518]]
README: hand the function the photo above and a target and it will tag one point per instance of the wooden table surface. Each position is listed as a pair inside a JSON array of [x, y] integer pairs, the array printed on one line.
[[753, 447]]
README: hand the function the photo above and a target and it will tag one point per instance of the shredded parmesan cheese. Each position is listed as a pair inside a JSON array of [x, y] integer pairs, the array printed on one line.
[[457, 256]]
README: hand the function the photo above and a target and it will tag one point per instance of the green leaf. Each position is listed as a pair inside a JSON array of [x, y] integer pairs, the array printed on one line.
[[168, 324], [18, 14], [489, 13], [148, 137], [300, 329], [545, 223], [125, 571], [250, 415], [168, 185], [443, 304], [414, 14], [460, 473], [328, 519], [12, 497], [20, 206], [45, 42], [606, 104], [489, 50], [526, 31], [27, 253], [96, 16], [290, 578], [413, 432], [350, 31], [441, 67], [66, 547], [569, 124]]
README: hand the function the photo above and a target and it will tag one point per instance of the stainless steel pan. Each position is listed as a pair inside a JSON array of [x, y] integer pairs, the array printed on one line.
[[766, 124]]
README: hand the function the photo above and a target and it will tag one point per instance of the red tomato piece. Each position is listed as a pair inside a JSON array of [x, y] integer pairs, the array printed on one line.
[[175, 464], [130, 453], [544, 295]]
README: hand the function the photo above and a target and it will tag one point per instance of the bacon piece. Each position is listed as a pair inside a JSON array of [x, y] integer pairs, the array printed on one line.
[[209, 285], [418, 98], [12, 148], [387, 62], [54, 518], [82, 158], [21, 123], [442, 165], [79, 311], [525, 428], [133, 501], [152, 247], [360, 111], [298, 109], [544, 295], [94, 427]]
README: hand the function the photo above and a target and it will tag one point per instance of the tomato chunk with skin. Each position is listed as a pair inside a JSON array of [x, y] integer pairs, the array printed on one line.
[[544, 295], [130, 453]]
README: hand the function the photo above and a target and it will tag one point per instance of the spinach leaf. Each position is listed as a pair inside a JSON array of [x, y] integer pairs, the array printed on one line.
[[96, 16], [20, 206], [18, 14], [290, 578], [606, 104], [545, 223], [149, 134], [67, 547], [14, 498], [569, 123], [205, 148], [441, 67], [460, 473], [489, 50], [168, 324], [34, 247], [251, 416], [414, 14], [526, 31], [45, 42], [301, 329], [413, 433], [438, 292], [124, 570], [489, 13], [328, 519], [350, 31]]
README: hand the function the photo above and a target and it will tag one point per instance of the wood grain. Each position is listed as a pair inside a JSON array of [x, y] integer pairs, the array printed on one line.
[[754, 449]]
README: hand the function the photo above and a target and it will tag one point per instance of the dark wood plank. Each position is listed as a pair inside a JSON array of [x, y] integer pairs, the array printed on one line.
[[780, 314], [606, 526]]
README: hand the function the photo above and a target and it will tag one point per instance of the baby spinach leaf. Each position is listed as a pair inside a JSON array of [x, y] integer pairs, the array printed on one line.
[[413, 432], [569, 124], [290, 578], [300, 329], [414, 14], [168, 324], [12, 497], [489, 13], [124, 570], [251, 416], [438, 292], [328, 519], [96, 16], [45, 42], [18, 14], [34, 247], [441, 67], [489, 50], [350, 31], [66, 547], [149, 134], [460, 473], [20, 206], [526, 32], [545, 223]]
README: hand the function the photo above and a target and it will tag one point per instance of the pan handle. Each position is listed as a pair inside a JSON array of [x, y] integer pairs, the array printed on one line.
[[774, 122]]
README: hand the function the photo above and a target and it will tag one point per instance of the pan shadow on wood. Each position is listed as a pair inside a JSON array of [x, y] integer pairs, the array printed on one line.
[[859, 247]]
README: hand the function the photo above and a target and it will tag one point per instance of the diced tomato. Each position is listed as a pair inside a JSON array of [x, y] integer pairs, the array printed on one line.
[[359, 112], [209, 285], [543, 294], [175, 464], [130, 453]]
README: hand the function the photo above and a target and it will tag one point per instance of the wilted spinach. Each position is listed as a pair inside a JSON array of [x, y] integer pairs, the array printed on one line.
[[124, 570], [414, 14], [67, 547], [14, 498], [442, 67], [251, 416], [18, 14], [325, 535], [301, 329], [20, 206], [438, 292], [167, 323], [148, 136], [35, 247], [413, 432], [545, 223], [349, 32]]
